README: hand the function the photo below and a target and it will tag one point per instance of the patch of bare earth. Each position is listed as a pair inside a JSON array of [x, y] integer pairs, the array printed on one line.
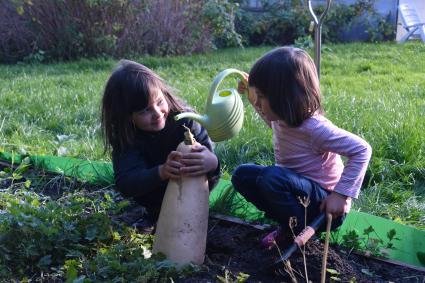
[[235, 248]]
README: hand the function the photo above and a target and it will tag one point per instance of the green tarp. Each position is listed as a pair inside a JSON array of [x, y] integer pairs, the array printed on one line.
[[409, 249], [95, 172]]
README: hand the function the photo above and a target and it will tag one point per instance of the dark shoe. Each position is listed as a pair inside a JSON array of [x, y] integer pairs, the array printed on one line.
[[144, 225]]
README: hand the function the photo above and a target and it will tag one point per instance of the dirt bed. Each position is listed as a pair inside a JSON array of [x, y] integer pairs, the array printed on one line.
[[235, 248]]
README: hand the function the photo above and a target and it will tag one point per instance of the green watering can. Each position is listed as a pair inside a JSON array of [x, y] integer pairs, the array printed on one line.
[[224, 110]]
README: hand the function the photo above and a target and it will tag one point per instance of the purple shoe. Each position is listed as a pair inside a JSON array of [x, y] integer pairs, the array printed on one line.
[[276, 237]]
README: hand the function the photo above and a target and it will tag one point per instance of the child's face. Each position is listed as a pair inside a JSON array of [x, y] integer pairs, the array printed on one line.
[[153, 117], [261, 104]]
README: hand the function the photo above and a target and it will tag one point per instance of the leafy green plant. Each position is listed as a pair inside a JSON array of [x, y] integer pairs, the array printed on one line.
[[369, 244], [130, 260], [278, 23], [382, 31], [48, 232], [13, 177], [72, 238], [304, 42], [229, 277], [220, 17], [286, 22], [341, 18]]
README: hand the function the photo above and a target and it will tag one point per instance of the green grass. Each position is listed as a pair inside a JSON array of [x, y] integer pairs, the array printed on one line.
[[374, 90]]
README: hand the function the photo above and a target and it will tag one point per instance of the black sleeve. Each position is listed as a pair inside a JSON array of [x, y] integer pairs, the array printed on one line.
[[202, 137], [133, 178]]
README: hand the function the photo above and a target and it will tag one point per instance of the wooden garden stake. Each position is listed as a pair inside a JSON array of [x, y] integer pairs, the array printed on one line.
[[325, 252]]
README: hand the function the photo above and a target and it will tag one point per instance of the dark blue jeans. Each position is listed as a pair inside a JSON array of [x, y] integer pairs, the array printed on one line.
[[276, 191]]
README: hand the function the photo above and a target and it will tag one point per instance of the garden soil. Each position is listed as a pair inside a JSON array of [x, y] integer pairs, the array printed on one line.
[[234, 249]]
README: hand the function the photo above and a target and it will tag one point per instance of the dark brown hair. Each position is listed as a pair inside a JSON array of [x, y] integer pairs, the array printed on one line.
[[287, 77], [128, 90]]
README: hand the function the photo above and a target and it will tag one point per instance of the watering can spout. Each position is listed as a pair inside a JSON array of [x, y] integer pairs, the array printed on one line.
[[201, 119]]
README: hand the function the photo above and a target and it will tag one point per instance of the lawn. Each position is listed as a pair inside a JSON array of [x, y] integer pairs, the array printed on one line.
[[374, 90]]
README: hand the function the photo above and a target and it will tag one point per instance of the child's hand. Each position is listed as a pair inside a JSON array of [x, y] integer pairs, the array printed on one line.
[[198, 162], [243, 84], [171, 168], [336, 204]]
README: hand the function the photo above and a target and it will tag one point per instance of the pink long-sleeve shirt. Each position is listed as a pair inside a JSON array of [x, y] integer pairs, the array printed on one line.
[[314, 150]]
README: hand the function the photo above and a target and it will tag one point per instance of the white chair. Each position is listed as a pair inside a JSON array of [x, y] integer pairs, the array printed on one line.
[[411, 23]]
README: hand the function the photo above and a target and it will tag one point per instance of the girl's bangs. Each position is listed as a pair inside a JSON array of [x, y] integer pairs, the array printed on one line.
[[141, 94]]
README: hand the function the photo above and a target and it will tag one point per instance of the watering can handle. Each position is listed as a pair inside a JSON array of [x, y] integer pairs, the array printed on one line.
[[218, 79]]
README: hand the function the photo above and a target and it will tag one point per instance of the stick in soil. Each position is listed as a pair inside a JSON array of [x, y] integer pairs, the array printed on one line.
[[326, 248]]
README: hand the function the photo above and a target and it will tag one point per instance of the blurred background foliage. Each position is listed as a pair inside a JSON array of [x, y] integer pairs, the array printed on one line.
[[45, 30]]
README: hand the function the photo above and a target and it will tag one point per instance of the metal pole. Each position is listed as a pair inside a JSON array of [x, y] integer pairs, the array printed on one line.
[[318, 33]]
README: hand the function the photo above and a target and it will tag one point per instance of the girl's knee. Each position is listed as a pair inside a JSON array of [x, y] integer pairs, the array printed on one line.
[[278, 183], [241, 170], [244, 177], [238, 175], [247, 170], [277, 171], [273, 177], [236, 182]]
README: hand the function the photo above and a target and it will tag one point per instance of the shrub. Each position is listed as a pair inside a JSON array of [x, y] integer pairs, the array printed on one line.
[[342, 18], [64, 29], [282, 22], [220, 17], [90, 28], [59, 29], [16, 39], [164, 27]]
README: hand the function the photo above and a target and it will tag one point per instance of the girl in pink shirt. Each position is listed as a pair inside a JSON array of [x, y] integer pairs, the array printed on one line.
[[284, 89]]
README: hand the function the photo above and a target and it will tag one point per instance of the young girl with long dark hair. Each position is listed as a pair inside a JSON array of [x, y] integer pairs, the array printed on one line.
[[138, 110]]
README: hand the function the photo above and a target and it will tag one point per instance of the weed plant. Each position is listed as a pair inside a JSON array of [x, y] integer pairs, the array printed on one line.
[[373, 90]]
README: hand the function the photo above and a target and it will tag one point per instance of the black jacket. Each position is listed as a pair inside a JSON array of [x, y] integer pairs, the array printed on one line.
[[136, 168]]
